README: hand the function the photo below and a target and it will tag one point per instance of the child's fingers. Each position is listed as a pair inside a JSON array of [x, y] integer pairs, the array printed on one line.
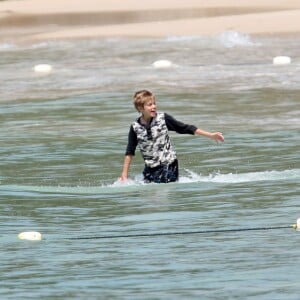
[[219, 137]]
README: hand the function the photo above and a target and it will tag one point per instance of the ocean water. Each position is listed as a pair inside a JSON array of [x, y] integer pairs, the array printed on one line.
[[63, 136]]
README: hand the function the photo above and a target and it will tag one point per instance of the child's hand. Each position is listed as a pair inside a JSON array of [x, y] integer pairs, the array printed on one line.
[[217, 136], [123, 178]]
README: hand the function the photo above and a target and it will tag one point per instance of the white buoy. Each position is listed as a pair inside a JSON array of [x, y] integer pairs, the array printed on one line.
[[42, 68], [162, 64], [30, 236], [282, 60], [298, 224]]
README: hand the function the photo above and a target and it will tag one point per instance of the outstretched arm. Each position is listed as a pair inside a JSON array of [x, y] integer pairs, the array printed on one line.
[[126, 166], [179, 127], [217, 136]]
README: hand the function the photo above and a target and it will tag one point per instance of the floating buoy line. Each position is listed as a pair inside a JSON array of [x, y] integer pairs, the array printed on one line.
[[42, 68], [153, 234], [163, 64], [282, 60], [30, 236], [36, 236]]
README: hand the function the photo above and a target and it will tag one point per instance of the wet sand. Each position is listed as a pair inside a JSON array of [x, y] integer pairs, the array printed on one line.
[[35, 20]]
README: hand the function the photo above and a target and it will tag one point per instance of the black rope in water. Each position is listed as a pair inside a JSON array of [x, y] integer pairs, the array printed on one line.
[[153, 234]]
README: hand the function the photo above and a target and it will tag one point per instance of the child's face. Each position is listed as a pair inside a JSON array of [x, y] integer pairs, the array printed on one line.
[[149, 109]]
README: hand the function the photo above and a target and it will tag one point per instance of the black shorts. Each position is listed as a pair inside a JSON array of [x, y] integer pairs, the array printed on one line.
[[162, 173]]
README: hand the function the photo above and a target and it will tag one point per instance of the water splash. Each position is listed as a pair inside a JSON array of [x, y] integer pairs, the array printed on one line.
[[232, 39], [181, 38], [244, 177], [137, 182], [6, 46]]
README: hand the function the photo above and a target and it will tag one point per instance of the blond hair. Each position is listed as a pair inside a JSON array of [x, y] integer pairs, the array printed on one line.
[[141, 97]]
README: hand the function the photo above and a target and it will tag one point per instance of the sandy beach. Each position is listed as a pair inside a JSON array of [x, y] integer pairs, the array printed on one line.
[[36, 20]]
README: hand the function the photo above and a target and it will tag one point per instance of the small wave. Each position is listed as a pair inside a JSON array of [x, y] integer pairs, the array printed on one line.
[[14, 47], [137, 182], [6, 46], [41, 45], [231, 39], [243, 177], [184, 38]]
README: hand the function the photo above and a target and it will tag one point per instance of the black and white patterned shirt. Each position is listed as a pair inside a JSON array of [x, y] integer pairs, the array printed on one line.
[[142, 135]]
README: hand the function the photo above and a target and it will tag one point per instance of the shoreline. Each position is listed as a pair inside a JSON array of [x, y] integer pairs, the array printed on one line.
[[28, 21]]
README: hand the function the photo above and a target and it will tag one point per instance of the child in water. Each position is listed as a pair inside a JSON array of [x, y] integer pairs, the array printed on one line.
[[150, 133]]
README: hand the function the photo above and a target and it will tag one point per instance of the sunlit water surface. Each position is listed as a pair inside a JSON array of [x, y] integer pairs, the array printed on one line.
[[63, 136]]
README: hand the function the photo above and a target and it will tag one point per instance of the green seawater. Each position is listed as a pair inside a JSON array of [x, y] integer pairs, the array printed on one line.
[[63, 137]]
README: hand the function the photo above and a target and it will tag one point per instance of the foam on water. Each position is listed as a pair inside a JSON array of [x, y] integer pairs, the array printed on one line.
[[231, 39], [133, 184], [245, 177], [6, 46], [176, 38]]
